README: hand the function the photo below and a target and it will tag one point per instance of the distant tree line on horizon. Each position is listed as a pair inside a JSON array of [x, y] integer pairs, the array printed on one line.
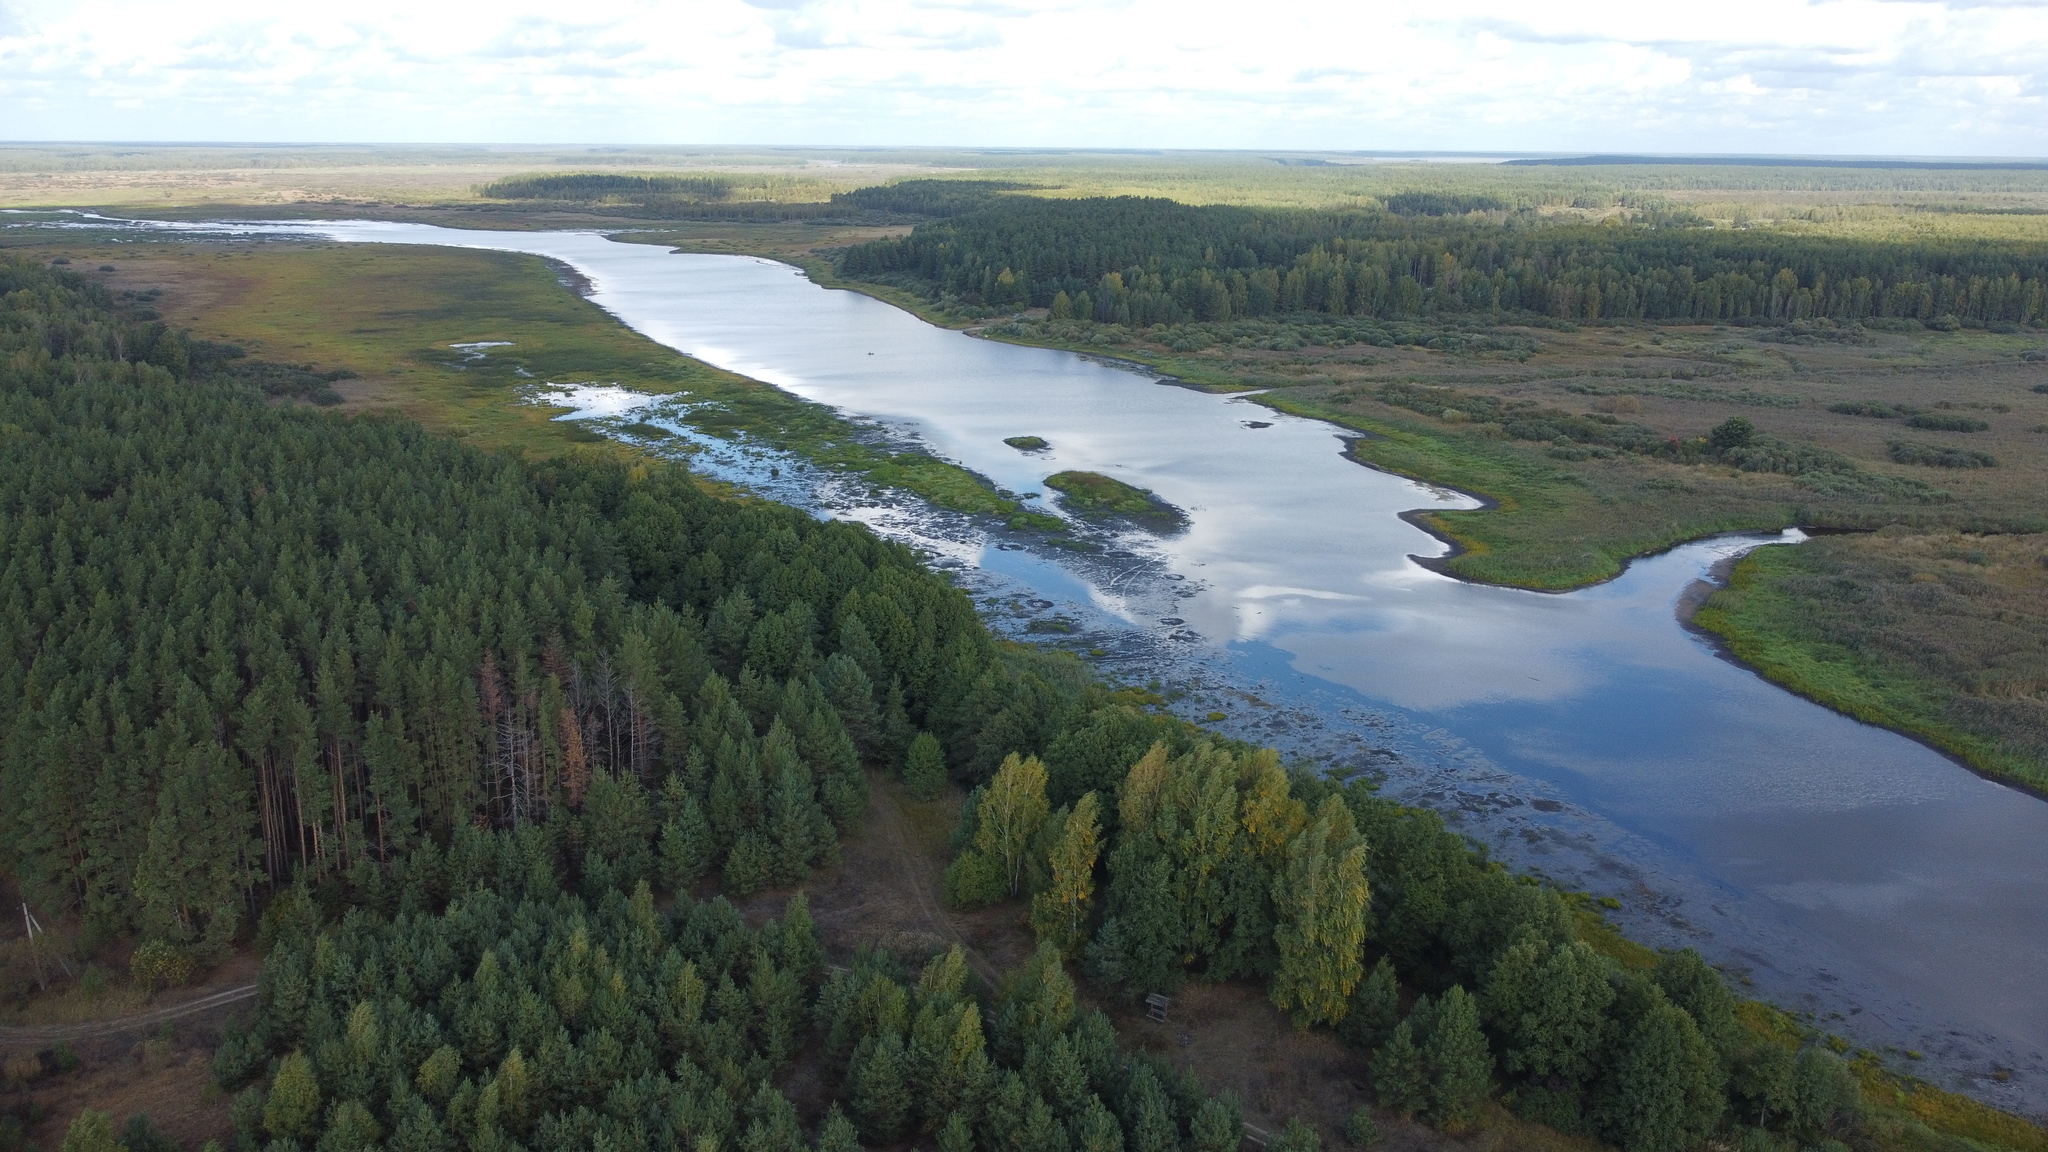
[[1141, 262], [713, 197]]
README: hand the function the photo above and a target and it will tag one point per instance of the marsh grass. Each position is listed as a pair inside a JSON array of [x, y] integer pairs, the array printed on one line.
[[1940, 634], [1092, 493]]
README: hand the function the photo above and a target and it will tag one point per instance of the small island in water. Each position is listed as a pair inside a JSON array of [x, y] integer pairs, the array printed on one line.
[[1026, 443], [1092, 493]]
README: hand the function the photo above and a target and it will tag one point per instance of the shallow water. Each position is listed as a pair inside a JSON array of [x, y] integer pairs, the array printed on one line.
[[1843, 868]]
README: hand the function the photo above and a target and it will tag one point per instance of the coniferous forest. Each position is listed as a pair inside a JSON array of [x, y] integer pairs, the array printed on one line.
[[1140, 261], [436, 727]]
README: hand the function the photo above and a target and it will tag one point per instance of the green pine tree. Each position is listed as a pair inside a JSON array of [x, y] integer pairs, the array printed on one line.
[[881, 1089], [924, 767], [1375, 1008], [1459, 1062], [837, 1133], [293, 1109], [686, 846], [1400, 1075], [1218, 1125]]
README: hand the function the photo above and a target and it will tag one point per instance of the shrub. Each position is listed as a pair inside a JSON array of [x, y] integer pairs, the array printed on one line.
[[974, 881], [1732, 433], [1943, 422], [91, 1132], [1360, 1129], [1939, 455], [21, 1070], [1296, 1137], [157, 965], [141, 1134]]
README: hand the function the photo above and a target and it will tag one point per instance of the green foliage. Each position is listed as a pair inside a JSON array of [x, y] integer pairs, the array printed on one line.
[[924, 767], [1939, 455], [1360, 1129], [1375, 1008], [1092, 492], [1732, 433], [588, 186], [316, 688], [1944, 422], [1549, 1006], [1298, 1136], [1460, 1067], [1141, 262], [1320, 900], [510, 1018], [1663, 1092], [156, 965], [1008, 818], [1059, 914], [1400, 1073], [90, 1132], [974, 881], [1823, 1091], [292, 1109], [880, 1078], [1689, 983]]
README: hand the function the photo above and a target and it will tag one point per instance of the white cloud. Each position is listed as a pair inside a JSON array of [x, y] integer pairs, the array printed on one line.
[[1744, 75]]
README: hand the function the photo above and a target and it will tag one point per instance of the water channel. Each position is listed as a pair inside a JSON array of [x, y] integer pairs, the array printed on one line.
[[1838, 868]]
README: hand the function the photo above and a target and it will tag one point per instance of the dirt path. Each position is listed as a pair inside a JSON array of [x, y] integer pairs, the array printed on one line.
[[60, 1033], [885, 814]]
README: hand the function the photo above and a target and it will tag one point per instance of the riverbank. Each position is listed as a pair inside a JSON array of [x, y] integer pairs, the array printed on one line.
[[1568, 511], [1942, 636], [466, 342]]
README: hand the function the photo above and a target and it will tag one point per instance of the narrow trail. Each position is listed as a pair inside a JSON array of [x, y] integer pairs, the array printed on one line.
[[59, 1033], [889, 817]]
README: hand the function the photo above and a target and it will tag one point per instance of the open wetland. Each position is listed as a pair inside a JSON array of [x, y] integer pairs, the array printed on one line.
[[1836, 867]]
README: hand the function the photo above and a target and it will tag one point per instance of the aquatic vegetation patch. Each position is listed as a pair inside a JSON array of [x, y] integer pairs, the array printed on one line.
[[1092, 493]]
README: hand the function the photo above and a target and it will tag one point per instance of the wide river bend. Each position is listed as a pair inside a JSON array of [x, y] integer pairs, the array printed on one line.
[[1842, 869]]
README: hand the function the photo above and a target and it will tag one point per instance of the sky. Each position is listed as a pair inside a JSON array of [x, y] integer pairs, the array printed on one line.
[[1776, 76]]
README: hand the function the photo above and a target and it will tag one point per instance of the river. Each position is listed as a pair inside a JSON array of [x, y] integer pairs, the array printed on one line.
[[1833, 867]]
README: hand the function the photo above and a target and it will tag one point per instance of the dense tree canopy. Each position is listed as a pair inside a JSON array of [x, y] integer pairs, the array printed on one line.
[[239, 639], [1135, 261]]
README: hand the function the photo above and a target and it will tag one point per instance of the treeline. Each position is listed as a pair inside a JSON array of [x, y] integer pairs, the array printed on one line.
[[717, 197], [240, 641], [601, 186], [1142, 262], [1459, 978]]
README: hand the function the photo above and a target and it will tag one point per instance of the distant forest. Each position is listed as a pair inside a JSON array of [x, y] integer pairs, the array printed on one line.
[[712, 197], [1140, 262]]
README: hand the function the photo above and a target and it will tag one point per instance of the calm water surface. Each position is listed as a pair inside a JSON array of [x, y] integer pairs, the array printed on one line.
[[1841, 867]]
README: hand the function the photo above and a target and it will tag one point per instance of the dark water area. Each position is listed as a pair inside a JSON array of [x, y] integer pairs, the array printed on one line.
[[1826, 865]]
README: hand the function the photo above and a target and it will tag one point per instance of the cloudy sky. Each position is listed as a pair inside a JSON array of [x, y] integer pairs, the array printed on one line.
[[1836, 76]]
